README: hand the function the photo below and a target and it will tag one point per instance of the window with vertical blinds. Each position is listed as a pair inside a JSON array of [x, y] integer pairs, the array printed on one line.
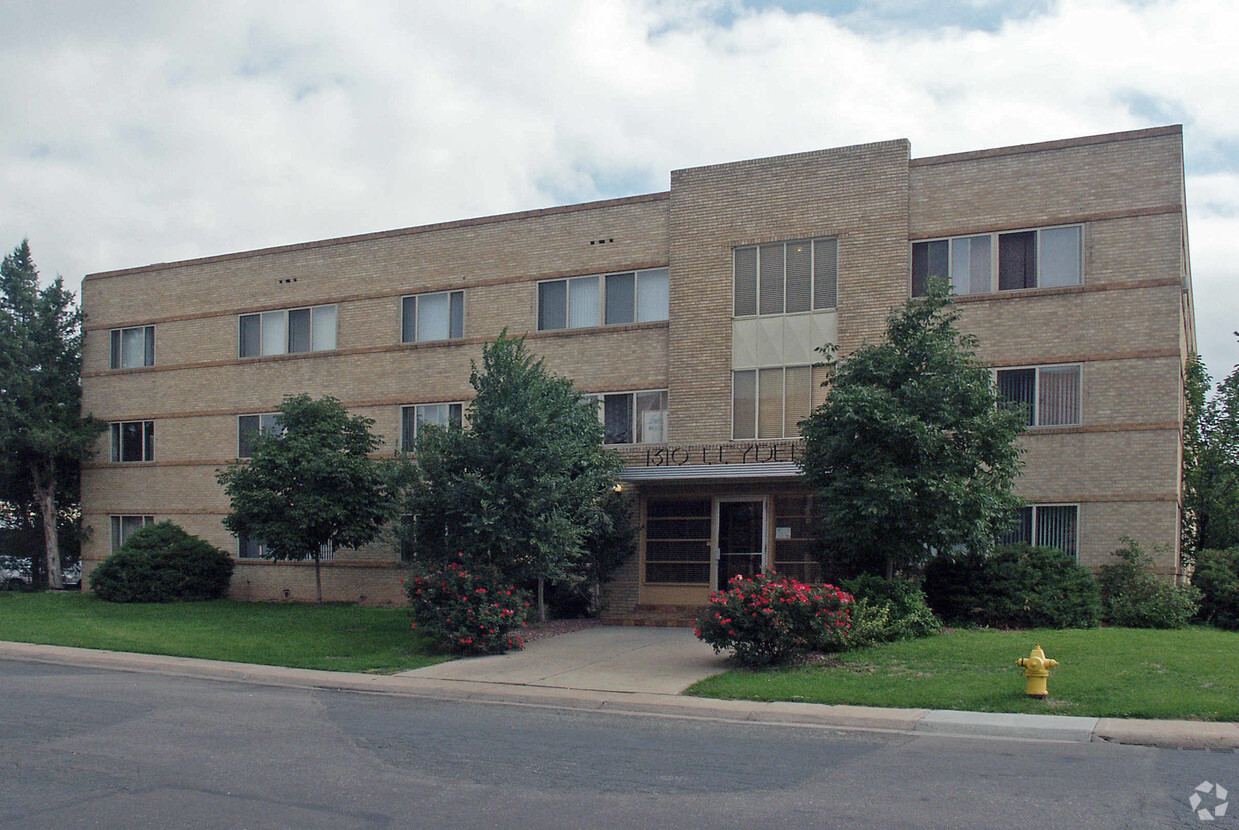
[[771, 403], [1046, 525], [785, 277], [1045, 395]]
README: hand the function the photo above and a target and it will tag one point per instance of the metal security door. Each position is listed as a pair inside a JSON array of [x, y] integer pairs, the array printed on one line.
[[739, 538]]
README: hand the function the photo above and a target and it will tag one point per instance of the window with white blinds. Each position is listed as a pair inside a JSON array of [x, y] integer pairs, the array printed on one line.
[[786, 277], [1040, 258], [288, 331], [608, 300]]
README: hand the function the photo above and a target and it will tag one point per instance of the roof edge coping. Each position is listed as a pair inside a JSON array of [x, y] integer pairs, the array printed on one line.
[[369, 237]]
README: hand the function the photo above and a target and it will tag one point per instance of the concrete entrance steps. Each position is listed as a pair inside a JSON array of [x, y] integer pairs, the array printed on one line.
[[664, 616]]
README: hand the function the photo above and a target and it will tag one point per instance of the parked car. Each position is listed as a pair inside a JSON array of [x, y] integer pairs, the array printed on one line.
[[15, 574]]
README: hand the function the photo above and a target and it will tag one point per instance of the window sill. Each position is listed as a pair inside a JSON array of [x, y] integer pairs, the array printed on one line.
[[614, 328], [285, 356], [831, 310], [1012, 293]]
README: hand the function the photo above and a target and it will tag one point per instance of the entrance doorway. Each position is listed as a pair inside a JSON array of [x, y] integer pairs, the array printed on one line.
[[739, 538]]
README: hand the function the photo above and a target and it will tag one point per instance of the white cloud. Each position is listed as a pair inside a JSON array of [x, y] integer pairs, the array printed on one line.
[[160, 131]]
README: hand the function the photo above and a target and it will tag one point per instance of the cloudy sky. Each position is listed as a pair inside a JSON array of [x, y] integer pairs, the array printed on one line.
[[140, 132]]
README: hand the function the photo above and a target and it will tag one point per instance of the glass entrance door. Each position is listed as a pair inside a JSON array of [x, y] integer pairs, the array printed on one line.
[[740, 539]]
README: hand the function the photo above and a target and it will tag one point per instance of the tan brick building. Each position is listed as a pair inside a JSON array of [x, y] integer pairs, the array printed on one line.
[[693, 314]]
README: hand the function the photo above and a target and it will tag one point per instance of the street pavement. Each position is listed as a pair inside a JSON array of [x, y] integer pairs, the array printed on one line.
[[632, 670], [86, 747]]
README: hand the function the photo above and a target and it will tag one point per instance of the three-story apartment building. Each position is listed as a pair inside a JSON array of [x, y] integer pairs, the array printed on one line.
[[693, 315]]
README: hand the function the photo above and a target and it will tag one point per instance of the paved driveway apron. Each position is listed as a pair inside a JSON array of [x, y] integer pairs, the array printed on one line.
[[605, 658]]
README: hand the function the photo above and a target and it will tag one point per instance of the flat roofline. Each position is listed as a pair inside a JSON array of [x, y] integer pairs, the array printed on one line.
[[1130, 135], [369, 237], [1059, 144]]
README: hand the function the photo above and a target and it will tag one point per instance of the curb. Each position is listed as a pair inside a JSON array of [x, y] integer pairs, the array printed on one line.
[[924, 722]]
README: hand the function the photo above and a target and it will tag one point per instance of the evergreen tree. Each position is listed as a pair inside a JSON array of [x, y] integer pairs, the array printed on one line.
[[43, 437]]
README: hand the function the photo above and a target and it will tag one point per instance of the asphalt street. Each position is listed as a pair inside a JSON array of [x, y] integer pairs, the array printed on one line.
[[83, 747]]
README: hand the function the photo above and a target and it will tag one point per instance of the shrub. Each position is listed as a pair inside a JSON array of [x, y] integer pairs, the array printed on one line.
[[1133, 596], [163, 563], [889, 610], [1217, 579], [1017, 586], [771, 619], [466, 612]]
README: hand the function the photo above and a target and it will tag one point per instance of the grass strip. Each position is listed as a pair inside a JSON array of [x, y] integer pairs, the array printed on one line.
[[332, 636], [1190, 674]]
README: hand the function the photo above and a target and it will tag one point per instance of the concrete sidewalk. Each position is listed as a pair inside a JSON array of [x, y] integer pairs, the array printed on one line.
[[556, 680], [605, 658]]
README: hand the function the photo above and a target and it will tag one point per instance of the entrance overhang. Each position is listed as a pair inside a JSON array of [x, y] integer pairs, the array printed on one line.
[[773, 470]]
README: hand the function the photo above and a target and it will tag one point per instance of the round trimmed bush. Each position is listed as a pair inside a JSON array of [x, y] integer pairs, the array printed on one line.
[[771, 619], [163, 563], [464, 611], [1017, 586]]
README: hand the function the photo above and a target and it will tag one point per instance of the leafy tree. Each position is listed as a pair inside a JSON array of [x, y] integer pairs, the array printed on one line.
[[1210, 461], [43, 438], [912, 451], [311, 484], [520, 490]]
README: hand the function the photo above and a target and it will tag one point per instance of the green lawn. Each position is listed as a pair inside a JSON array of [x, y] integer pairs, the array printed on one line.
[[1109, 672], [331, 636]]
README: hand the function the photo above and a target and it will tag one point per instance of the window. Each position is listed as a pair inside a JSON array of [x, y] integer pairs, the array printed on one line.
[[1043, 258], [288, 331], [1047, 395], [793, 538], [612, 300], [1045, 525], [133, 441], [134, 347], [634, 417], [677, 541], [770, 403], [248, 427], [427, 317], [125, 526], [413, 418], [250, 548], [786, 277]]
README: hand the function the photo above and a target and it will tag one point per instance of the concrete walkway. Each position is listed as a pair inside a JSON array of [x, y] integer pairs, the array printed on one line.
[[606, 658], [618, 670]]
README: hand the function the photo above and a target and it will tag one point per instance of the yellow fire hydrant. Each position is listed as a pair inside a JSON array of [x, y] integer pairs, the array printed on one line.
[[1037, 669]]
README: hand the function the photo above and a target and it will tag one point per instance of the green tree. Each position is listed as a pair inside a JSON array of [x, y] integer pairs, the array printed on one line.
[[1210, 461], [311, 483], [912, 451], [43, 437], [520, 489]]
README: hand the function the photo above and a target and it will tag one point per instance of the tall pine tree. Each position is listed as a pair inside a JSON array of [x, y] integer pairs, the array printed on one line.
[[43, 437]]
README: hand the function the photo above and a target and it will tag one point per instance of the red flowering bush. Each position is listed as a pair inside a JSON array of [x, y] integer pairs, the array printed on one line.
[[771, 618], [466, 612]]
